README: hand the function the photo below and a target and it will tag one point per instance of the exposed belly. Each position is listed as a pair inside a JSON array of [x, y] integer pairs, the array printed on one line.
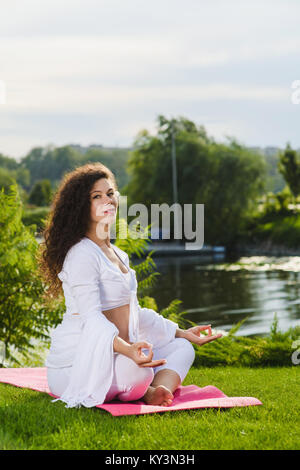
[[120, 317]]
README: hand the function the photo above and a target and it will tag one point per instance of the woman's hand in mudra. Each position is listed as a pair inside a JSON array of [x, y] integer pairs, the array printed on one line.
[[140, 358], [193, 334]]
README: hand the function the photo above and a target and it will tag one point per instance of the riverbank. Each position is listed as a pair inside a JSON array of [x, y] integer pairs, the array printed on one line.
[[274, 425], [179, 249], [265, 248], [261, 248]]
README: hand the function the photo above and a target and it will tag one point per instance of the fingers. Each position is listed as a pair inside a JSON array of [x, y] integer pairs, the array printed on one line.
[[144, 358], [208, 339], [143, 344], [204, 327], [155, 363], [150, 355], [196, 330]]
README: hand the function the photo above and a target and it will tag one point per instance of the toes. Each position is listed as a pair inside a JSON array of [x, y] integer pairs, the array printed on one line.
[[162, 397], [166, 403]]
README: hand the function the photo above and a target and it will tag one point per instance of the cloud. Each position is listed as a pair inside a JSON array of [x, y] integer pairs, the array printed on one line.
[[74, 67], [92, 73]]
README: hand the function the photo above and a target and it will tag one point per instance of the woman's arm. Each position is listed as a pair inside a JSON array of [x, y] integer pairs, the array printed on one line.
[[155, 328], [121, 346]]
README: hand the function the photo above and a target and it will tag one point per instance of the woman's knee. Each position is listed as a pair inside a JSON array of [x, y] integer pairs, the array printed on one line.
[[180, 355], [145, 375], [58, 379], [132, 381], [128, 371], [186, 349]]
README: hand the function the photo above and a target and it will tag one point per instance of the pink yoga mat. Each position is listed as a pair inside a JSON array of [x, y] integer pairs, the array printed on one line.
[[185, 397]]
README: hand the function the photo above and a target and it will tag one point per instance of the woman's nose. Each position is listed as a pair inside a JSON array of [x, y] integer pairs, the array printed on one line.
[[109, 200]]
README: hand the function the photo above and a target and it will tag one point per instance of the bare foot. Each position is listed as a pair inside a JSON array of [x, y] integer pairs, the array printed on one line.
[[159, 395]]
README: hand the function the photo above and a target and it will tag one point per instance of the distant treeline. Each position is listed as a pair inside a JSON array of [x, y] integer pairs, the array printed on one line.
[[230, 179], [51, 163]]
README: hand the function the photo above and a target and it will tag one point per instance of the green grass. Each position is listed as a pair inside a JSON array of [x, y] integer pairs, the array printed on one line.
[[28, 419]]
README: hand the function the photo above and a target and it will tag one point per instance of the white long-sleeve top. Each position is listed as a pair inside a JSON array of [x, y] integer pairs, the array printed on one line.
[[92, 284]]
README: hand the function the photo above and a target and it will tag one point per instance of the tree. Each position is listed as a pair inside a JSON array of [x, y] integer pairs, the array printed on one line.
[[150, 164], [8, 162], [50, 162], [23, 315], [6, 179], [34, 162], [41, 193], [226, 178], [22, 176], [235, 182], [114, 159], [289, 167]]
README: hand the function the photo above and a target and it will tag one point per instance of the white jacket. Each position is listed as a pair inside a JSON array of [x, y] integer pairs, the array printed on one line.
[[92, 284]]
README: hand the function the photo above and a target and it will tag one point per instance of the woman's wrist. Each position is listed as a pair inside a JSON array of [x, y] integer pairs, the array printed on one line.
[[180, 333], [121, 346]]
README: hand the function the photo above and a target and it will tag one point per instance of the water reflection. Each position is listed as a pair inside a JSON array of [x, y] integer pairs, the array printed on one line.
[[224, 291]]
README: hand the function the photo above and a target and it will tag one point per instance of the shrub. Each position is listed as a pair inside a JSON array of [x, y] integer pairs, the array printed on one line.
[[35, 216], [23, 317], [41, 193], [272, 350]]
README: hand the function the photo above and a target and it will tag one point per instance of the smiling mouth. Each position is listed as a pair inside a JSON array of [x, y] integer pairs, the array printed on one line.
[[109, 212]]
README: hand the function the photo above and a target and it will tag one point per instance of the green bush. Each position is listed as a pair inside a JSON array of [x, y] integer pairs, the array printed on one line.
[[24, 317], [284, 231], [273, 350], [35, 216], [41, 193]]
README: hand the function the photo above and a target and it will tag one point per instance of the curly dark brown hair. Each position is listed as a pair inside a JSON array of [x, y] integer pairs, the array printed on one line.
[[67, 221]]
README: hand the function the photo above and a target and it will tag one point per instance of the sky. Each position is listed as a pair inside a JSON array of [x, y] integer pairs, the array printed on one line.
[[98, 71]]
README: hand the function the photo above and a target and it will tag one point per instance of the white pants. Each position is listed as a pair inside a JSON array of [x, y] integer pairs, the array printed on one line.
[[130, 382]]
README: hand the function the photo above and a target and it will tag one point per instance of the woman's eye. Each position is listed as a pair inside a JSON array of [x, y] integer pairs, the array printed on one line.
[[98, 195]]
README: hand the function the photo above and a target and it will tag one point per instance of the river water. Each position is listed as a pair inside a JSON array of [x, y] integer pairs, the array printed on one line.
[[224, 291]]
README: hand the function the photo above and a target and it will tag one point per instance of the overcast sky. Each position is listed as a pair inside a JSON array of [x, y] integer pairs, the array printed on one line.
[[98, 71]]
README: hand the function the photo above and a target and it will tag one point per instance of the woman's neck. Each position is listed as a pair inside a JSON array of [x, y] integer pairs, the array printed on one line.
[[92, 235]]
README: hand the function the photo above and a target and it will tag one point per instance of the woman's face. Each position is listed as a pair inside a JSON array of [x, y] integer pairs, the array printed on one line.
[[104, 202]]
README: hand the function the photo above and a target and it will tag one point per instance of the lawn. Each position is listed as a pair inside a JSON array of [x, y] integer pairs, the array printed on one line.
[[28, 419]]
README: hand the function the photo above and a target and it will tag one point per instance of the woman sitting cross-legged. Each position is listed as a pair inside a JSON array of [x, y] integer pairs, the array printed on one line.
[[107, 346]]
